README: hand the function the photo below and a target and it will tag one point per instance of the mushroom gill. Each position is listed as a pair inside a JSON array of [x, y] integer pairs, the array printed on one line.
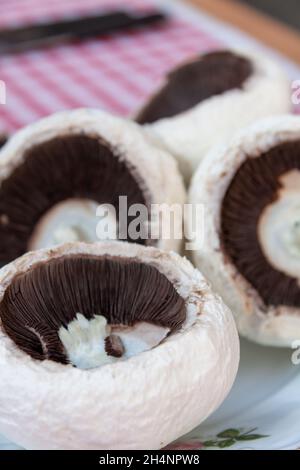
[[65, 168], [121, 292], [212, 74], [259, 219]]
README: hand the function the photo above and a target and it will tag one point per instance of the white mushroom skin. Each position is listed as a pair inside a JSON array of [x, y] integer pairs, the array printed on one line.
[[191, 134], [144, 402], [279, 325], [156, 168]]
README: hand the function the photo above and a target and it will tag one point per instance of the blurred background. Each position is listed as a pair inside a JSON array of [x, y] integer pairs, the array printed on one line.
[[117, 70], [287, 11]]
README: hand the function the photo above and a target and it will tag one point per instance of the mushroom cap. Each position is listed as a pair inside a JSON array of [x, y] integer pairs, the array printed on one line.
[[143, 402], [189, 135], [277, 325], [153, 169]]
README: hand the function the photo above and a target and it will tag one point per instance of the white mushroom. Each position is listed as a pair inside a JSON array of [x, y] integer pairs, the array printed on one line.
[[206, 100], [57, 306], [250, 191], [56, 173]]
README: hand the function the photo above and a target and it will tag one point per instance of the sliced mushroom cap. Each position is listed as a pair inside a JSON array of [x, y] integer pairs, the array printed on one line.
[[208, 99], [209, 75], [251, 250], [101, 343], [55, 173]]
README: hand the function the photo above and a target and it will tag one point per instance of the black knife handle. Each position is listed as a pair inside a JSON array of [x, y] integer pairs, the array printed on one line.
[[78, 28]]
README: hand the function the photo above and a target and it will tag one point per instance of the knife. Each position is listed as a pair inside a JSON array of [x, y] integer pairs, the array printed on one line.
[[49, 34]]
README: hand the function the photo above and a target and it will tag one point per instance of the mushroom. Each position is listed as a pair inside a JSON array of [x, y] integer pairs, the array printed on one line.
[[55, 173], [250, 191], [110, 346], [206, 100]]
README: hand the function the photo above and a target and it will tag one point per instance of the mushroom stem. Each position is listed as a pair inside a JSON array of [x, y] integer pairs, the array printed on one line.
[[65, 234], [279, 226], [291, 239], [84, 341], [296, 235]]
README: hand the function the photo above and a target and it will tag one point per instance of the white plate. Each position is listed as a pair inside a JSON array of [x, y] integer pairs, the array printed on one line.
[[265, 401]]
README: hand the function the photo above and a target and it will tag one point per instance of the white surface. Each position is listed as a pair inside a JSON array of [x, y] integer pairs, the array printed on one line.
[[265, 396]]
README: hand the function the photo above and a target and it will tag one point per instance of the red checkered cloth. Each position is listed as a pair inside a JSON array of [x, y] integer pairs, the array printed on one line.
[[115, 72]]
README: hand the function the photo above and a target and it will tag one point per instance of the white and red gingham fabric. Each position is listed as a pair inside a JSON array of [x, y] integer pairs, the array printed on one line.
[[114, 72]]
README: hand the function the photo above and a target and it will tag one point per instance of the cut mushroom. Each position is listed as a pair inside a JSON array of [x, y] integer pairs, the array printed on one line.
[[250, 191], [101, 344], [205, 101], [55, 173]]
